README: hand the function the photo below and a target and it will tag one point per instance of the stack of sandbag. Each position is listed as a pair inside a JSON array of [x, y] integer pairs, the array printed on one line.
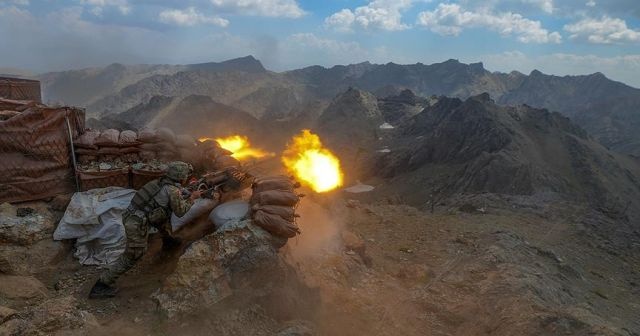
[[115, 145], [186, 146], [158, 144], [86, 148], [210, 156], [109, 145], [129, 146], [273, 205]]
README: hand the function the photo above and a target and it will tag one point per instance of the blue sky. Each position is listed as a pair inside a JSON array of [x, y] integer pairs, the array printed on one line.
[[555, 36]]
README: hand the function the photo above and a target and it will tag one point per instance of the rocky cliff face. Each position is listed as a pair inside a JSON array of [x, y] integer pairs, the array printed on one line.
[[476, 146], [606, 109], [85, 86]]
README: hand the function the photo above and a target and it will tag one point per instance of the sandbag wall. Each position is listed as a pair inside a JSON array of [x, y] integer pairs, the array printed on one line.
[[129, 159], [273, 205], [35, 148]]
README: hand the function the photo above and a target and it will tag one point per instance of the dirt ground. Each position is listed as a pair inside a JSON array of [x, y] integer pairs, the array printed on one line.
[[389, 269]]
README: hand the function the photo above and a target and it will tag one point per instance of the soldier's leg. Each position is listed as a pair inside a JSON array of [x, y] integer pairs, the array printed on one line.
[[137, 231], [124, 263]]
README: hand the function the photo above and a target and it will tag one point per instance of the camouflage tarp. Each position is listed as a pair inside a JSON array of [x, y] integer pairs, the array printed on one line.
[[21, 89], [35, 153]]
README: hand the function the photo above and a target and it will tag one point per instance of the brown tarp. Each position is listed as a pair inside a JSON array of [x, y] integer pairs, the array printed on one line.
[[21, 89], [35, 161]]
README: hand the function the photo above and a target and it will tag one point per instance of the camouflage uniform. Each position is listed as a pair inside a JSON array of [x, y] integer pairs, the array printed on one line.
[[151, 206]]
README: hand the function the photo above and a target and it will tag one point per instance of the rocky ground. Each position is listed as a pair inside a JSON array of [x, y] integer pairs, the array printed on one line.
[[360, 267]]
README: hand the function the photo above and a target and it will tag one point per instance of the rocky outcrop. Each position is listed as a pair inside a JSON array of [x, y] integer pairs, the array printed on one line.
[[400, 107], [237, 266], [477, 146], [25, 239], [21, 288], [24, 225], [59, 316], [352, 119]]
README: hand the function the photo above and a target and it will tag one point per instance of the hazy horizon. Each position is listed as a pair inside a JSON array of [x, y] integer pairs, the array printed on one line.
[[556, 37]]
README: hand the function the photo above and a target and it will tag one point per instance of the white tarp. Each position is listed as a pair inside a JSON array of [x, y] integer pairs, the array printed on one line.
[[231, 211], [199, 208], [359, 188], [94, 218]]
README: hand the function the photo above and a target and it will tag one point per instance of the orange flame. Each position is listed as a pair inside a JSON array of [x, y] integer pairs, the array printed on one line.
[[312, 164], [240, 146]]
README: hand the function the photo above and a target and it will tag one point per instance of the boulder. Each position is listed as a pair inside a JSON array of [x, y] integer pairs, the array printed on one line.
[[59, 316], [6, 313], [25, 225], [238, 263], [202, 276], [21, 288], [14, 327], [29, 260]]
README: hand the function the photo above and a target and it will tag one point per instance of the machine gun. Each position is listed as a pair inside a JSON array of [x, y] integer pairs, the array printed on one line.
[[224, 181]]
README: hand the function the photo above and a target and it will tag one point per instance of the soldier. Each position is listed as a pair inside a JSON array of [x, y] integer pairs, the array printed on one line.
[[152, 205]]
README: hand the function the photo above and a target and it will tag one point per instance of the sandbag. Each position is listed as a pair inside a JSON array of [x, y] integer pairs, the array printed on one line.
[[274, 184], [109, 151], [226, 162], [147, 135], [185, 141], [275, 197], [164, 146], [286, 212], [129, 150], [166, 135], [128, 137], [200, 207], [85, 151], [147, 155], [219, 152], [188, 155], [275, 225], [108, 137], [149, 147], [87, 140], [167, 156], [229, 212]]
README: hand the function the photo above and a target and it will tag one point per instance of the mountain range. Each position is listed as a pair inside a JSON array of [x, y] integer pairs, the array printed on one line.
[[606, 109]]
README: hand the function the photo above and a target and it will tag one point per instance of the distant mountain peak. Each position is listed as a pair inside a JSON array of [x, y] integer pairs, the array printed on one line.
[[483, 97], [535, 73], [247, 64]]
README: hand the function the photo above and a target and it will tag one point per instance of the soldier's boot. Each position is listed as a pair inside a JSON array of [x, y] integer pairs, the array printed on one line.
[[102, 290], [170, 243]]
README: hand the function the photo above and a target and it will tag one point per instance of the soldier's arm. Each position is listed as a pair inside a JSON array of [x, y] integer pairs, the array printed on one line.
[[178, 205]]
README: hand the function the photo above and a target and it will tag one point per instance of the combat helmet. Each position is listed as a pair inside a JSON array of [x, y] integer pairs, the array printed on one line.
[[178, 171]]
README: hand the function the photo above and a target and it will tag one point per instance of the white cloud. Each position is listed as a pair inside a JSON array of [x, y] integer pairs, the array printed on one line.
[[271, 8], [621, 68], [99, 5], [305, 49], [333, 47], [189, 17], [451, 19], [378, 14], [606, 30], [545, 5], [591, 3], [16, 2]]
